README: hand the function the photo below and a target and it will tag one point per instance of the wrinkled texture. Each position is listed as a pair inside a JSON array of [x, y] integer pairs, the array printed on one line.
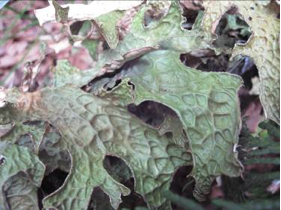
[[26, 135], [64, 73], [263, 46], [136, 57], [52, 155], [21, 193], [88, 126], [208, 110], [107, 24], [219, 115], [164, 34], [18, 159]]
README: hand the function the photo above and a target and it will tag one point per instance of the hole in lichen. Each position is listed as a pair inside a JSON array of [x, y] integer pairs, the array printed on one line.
[[169, 135], [117, 168], [120, 171], [51, 154], [208, 62], [190, 13], [2, 160], [99, 199], [131, 84], [245, 67], [160, 117], [190, 60], [34, 123], [150, 112], [57, 162], [232, 29], [241, 65], [81, 28], [133, 200], [109, 80], [53, 181], [182, 183], [105, 46], [249, 93], [117, 82], [153, 15]]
